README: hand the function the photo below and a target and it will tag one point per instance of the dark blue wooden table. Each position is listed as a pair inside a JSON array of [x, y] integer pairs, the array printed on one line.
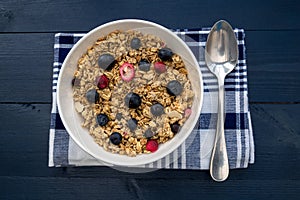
[[26, 52]]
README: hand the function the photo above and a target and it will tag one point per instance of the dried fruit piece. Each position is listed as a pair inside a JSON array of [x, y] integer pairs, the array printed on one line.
[[102, 81], [127, 72], [187, 112], [152, 145], [160, 67]]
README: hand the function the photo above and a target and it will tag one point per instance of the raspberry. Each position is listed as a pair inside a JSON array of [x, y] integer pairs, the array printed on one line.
[[187, 112], [160, 67], [152, 145], [127, 72], [102, 81]]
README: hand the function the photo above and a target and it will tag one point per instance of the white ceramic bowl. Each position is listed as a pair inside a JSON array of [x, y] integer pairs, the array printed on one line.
[[72, 120]]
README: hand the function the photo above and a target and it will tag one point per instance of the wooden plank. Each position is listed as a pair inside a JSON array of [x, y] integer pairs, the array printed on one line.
[[273, 60], [24, 146], [24, 132], [26, 67], [135, 188], [27, 16], [273, 65]]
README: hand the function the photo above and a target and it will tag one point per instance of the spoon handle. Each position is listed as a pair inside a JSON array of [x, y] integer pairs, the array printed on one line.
[[219, 167]]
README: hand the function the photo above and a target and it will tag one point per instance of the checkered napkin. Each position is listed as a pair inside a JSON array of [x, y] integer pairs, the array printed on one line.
[[195, 152]]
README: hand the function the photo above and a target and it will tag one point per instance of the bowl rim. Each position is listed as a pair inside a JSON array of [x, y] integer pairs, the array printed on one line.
[[60, 109]]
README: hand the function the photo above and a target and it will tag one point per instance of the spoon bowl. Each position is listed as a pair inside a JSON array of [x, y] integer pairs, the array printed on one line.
[[221, 56], [221, 49]]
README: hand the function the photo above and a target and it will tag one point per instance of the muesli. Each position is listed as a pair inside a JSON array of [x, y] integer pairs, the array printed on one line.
[[132, 92]]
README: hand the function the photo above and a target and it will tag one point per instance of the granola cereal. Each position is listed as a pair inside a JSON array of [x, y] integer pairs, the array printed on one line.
[[132, 92]]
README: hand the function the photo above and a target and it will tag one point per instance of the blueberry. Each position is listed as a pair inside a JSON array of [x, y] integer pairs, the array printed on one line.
[[133, 100], [135, 43], [115, 138], [175, 127], [148, 134], [144, 65], [157, 109], [102, 119], [132, 124], [106, 61], [165, 54], [119, 116], [92, 96], [174, 88]]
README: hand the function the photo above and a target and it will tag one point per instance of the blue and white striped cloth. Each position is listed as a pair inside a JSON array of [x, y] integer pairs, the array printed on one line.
[[195, 152]]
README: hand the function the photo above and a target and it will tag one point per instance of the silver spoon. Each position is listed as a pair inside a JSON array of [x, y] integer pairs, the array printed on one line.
[[221, 56]]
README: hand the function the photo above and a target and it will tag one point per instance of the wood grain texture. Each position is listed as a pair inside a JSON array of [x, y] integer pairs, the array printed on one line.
[[134, 188], [26, 67], [272, 56], [27, 30], [77, 15], [273, 65]]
